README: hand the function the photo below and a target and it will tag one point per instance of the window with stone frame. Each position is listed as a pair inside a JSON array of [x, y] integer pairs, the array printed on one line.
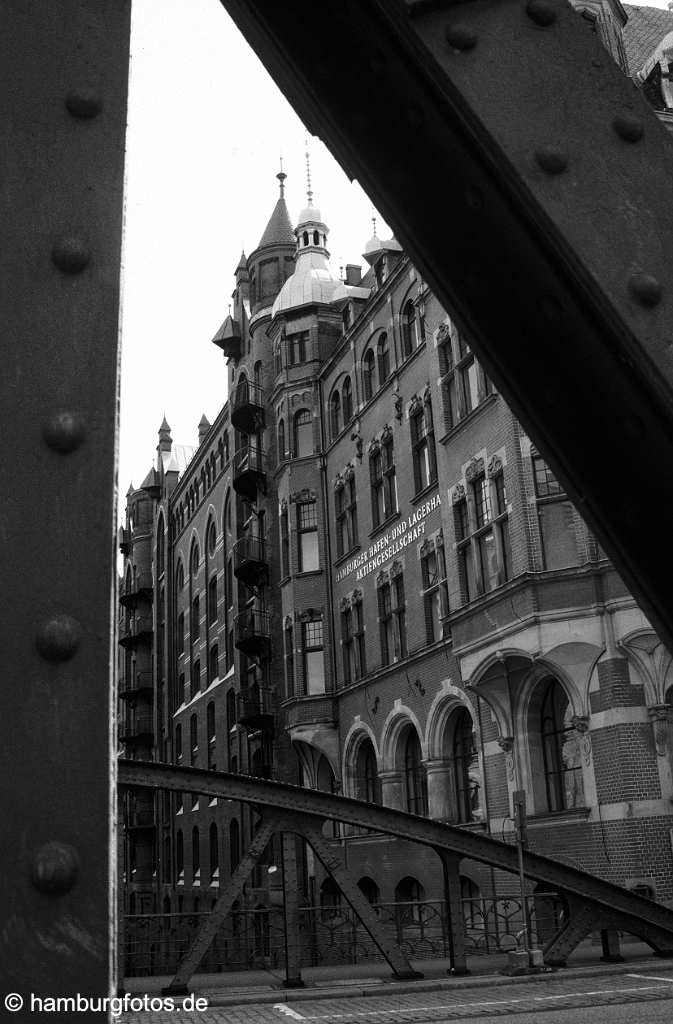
[[277, 359], [423, 443], [195, 682], [368, 371], [212, 600], [281, 440], [193, 740], [385, 601], [481, 525], [392, 615], [195, 622], [313, 656], [181, 633], [335, 414], [435, 588], [303, 434], [212, 734], [556, 518], [383, 358], [353, 638], [214, 852], [307, 536], [345, 501], [347, 401], [288, 638], [408, 325], [297, 348], [464, 385], [213, 663], [382, 479], [284, 541]]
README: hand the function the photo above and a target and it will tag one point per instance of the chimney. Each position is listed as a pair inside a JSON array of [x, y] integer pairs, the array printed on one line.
[[354, 271]]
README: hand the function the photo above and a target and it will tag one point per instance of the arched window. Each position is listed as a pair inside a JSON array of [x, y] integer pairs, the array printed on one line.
[[470, 898], [347, 401], [234, 844], [212, 539], [231, 709], [196, 854], [161, 546], [368, 374], [193, 740], [368, 784], [383, 358], [214, 852], [178, 743], [466, 767], [416, 787], [330, 899], [316, 238], [335, 414], [180, 576], [211, 734], [303, 434], [408, 320], [179, 854], [257, 372], [305, 238], [369, 889], [194, 560], [281, 440], [555, 749], [411, 894]]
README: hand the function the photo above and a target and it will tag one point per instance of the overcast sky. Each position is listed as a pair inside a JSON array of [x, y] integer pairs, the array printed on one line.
[[207, 127]]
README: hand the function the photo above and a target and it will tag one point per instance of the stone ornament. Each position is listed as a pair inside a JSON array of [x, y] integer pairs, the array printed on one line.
[[474, 469], [661, 717], [494, 465], [458, 494]]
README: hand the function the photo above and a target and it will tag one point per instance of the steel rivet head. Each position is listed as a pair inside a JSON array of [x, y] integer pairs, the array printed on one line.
[[541, 12], [58, 638], [628, 127], [82, 104], [551, 160], [645, 289], [70, 255], [461, 37], [63, 432], [55, 867]]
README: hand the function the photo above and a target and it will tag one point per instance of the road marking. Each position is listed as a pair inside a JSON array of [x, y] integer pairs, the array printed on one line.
[[476, 1005], [649, 977], [288, 1011]]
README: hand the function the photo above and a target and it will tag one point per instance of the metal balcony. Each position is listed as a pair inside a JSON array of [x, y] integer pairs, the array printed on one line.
[[139, 629], [255, 709], [247, 407], [249, 472], [252, 634], [137, 730], [251, 564], [140, 686], [138, 587]]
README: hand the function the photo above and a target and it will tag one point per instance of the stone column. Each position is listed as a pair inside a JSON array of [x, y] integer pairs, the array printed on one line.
[[441, 799], [392, 789]]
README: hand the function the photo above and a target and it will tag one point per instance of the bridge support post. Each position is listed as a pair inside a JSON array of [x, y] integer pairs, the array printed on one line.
[[293, 977], [211, 925], [582, 919], [611, 946], [454, 911], [332, 862]]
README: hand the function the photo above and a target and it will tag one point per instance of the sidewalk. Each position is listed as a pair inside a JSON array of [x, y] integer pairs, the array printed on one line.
[[239, 988]]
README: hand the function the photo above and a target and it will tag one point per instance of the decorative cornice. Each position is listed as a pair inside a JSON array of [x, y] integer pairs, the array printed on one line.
[[474, 470]]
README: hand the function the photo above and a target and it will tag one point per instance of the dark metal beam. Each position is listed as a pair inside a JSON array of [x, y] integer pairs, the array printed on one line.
[[528, 180]]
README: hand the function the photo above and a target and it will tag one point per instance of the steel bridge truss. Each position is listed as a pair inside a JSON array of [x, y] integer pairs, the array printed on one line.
[[591, 904]]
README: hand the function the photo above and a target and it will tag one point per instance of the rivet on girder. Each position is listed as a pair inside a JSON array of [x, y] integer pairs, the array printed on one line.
[[58, 638], [55, 867], [628, 127], [461, 37], [70, 255], [645, 289], [63, 432], [551, 160], [82, 104], [541, 12]]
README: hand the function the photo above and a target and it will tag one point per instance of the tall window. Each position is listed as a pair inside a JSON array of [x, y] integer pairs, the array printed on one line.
[[347, 401], [196, 619], [353, 641], [399, 617], [281, 440], [161, 546], [383, 358], [214, 851], [179, 855], [297, 348], [213, 663], [178, 744], [181, 633], [212, 735], [212, 600], [408, 323], [368, 784], [423, 447], [314, 660], [303, 434], [482, 534], [466, 767], [561, 755], [463, 382], [435, 591], [415, 782], [195, 682], [230, 706], [368, 374], [196, 854], [335, 414], [386, 623], [193, 740], [556, 518], [289, 659], [392, 618], [383, 482], [307, 536], [284, 543], [346, 516]]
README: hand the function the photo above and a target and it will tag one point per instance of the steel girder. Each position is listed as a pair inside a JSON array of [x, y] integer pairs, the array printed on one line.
[[609, 906], [528, 180], [63, 71]]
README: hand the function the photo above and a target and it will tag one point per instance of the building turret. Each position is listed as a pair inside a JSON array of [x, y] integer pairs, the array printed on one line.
[[272, 261], [204, 427]]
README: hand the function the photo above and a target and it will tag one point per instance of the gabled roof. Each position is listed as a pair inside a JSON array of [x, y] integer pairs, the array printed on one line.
[[643, 32], [279, 229]]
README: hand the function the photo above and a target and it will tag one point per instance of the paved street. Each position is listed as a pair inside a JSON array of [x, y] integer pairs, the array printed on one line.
[[632, 996]]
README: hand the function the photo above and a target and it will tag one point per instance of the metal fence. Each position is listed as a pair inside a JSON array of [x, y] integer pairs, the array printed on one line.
[[255, 938]]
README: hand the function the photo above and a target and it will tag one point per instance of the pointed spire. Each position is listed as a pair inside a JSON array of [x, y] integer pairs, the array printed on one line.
[[165, 439], [279, 229], [204, 427], [281, 178]]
